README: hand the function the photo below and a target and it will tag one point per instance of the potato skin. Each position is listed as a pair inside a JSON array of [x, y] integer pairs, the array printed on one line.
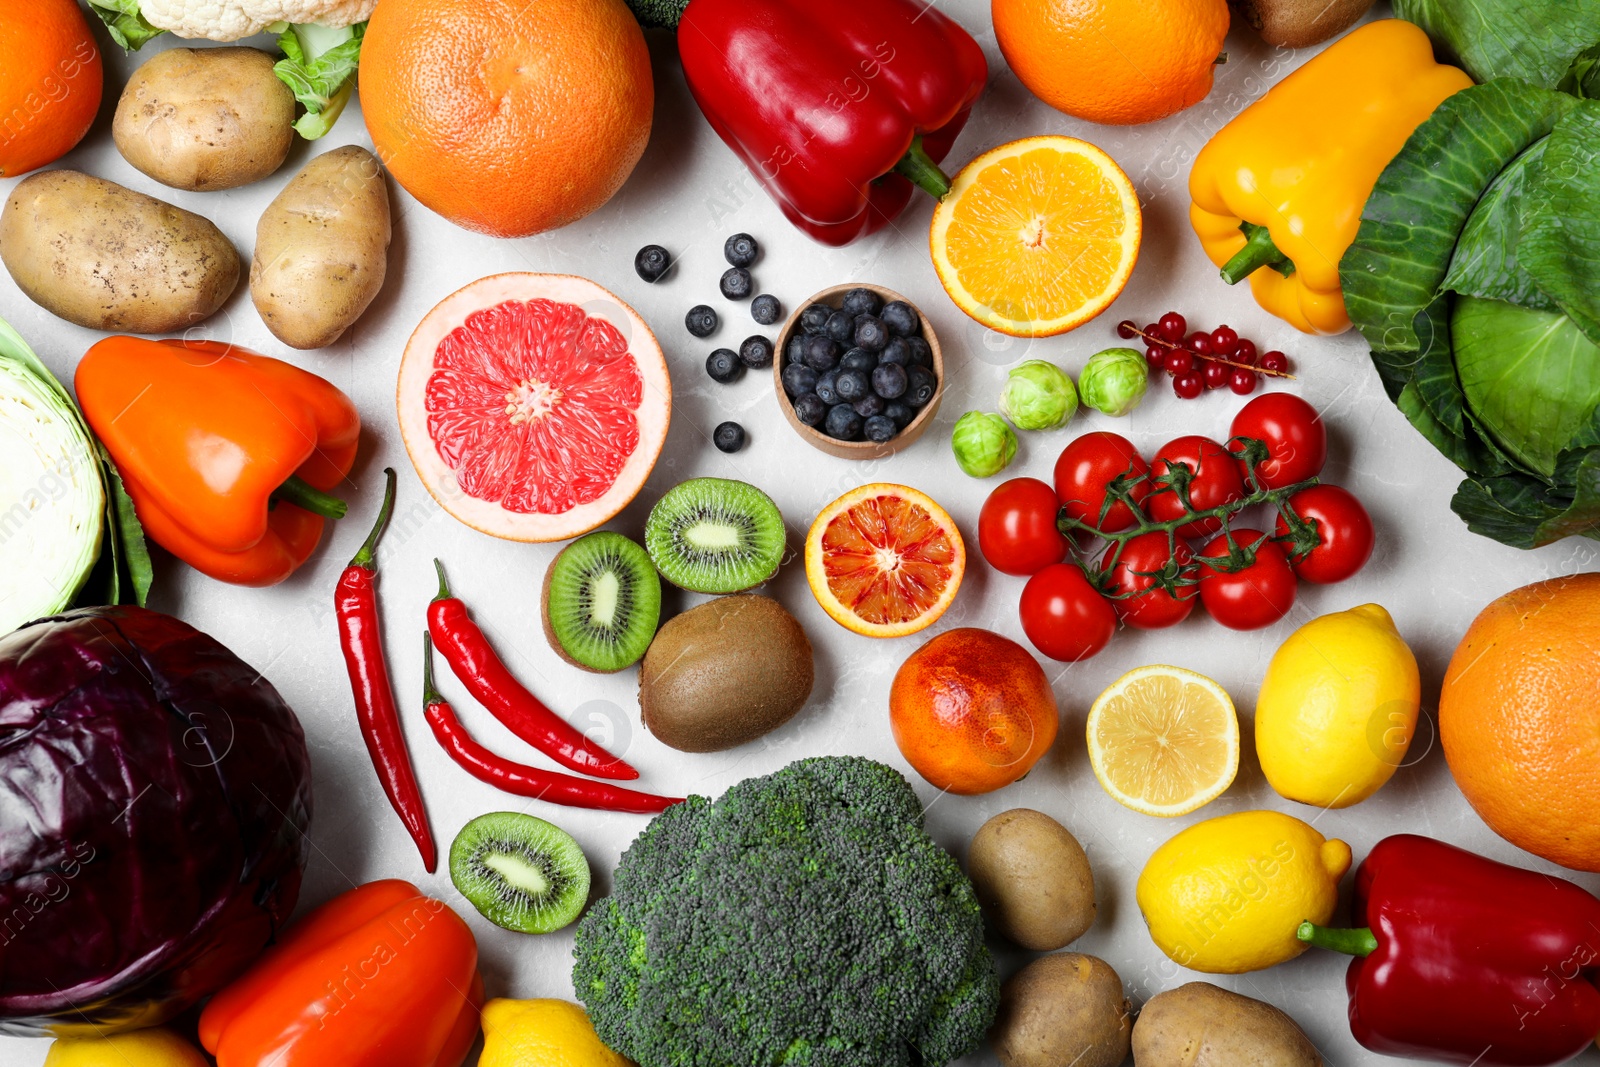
[[205, 118], [1033, 879], [1063, 1009], [111, 259], [322, 248], [1202, 1025]]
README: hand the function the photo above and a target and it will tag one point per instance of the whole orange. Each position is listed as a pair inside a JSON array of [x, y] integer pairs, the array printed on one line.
[[50, 83], [1519, 716], [1119, 62], [972, 711], [504, 116]]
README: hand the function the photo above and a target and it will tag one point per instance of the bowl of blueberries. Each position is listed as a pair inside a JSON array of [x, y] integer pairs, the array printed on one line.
[[860, 374]]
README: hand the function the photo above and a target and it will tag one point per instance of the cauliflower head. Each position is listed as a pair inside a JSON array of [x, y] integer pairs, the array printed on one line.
[[229, 20]]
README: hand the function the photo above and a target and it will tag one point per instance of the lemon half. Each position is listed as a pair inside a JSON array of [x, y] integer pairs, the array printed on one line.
[[1164, 740]]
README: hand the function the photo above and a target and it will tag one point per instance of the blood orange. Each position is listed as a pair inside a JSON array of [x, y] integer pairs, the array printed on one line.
[[533, 405]]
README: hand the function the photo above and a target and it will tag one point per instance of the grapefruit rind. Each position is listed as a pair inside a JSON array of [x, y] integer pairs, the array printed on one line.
[[817, 562], [653, 415]]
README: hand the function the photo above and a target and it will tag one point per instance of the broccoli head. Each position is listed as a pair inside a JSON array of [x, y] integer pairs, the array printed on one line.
[[803, 919]]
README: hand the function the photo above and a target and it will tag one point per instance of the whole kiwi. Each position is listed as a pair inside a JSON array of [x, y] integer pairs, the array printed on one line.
[[1063, 1009], [1032, 878], [1299, 23], [724, 673]]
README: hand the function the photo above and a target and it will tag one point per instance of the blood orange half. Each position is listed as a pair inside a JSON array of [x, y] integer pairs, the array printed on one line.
[[884, 560], [533, 405]]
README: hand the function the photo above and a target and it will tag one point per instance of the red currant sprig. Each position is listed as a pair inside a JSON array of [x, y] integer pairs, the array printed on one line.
[[1199, 361]]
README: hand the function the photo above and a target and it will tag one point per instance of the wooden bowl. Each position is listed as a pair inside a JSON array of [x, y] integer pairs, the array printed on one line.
[[833, 296]]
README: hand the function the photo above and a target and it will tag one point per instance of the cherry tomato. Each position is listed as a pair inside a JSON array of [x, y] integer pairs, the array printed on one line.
[[1296, 439], [1344, 533], [1064, 616], [1257, 596], [1141, 557], [1084, 469], [1017, 527], [1215, 482]]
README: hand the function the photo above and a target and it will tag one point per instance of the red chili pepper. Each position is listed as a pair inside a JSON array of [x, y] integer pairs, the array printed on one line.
[[836, 106], [469, 654], [1464, 960], [355, 603], [517, 778]]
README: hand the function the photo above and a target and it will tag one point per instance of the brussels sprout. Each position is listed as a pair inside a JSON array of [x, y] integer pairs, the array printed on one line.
[[1114, 381], [983, 443], [1038, 396]]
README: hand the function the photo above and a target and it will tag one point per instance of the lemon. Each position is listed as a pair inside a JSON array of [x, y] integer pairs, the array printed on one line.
[[1338, 708], [156, 1047], [1163, 740], [549, 1033], [1226, 895]]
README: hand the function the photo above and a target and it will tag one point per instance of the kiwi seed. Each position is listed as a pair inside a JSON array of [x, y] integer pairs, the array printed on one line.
[[601, 602], [715, 535], [520, 872]]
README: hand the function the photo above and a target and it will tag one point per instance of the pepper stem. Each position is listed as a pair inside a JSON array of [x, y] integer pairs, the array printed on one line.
[[1356, 942], [302, 494], [918, 167], [430, 693], [367, 557], [444, 586], [1258, 252]]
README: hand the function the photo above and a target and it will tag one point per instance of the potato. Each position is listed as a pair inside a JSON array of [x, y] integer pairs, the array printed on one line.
[[1062, 1009], [1202, 1025], [111, 259], [1032, 878], [322, 248], [205, 118]]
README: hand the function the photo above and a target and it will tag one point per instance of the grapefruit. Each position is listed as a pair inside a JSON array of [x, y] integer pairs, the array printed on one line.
[[533, 406]]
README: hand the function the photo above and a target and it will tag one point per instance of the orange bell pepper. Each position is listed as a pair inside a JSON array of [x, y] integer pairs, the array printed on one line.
[[228, 455], [381, 976]]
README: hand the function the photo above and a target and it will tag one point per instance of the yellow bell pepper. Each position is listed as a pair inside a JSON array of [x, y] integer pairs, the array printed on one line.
[[1278, 192]]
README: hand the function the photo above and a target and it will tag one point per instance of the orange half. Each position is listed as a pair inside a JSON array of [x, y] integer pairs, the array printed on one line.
[[1037, 236], [884, 560]]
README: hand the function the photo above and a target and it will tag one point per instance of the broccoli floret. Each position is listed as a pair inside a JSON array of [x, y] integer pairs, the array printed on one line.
[[663, 13], [803, 919]]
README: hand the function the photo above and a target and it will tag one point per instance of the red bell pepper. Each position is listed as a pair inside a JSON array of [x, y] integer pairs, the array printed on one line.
[[836, 106], [1461, 959]]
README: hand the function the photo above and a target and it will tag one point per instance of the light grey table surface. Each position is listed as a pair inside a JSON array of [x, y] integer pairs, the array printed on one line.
[[689, 193]]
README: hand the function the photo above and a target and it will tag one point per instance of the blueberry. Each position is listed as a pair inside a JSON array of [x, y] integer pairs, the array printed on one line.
[[921, 354], [810, 409], [871, 333], [851, 384], [765, 309], [897, 351], [901, 318], [740, 250], [869, 405], [889, 381], [826, 387], [728, 436], [723, 365], [900, 412], [795, 350], [736, 283], [860, 302], [840, 327], [920, 386], [843, 423], [701, 321], [799, 378], [755, 352], [812, 318], [881, 428], [858, 359], [821, 353], [652, 263]]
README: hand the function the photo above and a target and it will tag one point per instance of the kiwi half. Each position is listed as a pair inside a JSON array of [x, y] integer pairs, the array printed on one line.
[[715, 535], [601, 602], [520, 872]]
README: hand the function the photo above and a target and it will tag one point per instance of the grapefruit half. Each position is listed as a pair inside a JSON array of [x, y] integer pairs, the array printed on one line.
[[533, 406]]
